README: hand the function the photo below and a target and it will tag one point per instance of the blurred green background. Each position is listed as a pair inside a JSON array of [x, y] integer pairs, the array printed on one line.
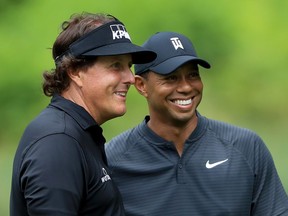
[[245, 42]]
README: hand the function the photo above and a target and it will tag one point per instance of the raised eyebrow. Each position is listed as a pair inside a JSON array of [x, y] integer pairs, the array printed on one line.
[[172, 76], [162, 77], [195, 71]]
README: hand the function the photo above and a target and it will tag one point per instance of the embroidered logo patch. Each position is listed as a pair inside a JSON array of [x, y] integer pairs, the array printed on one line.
[[176, 43], [212, 165], [119, 31], [106, 177]]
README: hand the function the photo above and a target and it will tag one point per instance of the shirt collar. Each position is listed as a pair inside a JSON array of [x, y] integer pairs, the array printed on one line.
[[154, 138], [81, 116]]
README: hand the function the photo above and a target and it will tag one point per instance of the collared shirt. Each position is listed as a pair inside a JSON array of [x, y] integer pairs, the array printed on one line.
[[60, 166], [223, 170]]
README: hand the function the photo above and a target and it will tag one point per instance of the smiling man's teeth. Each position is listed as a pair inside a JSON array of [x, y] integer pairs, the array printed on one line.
[[121, 93], [183, 102]]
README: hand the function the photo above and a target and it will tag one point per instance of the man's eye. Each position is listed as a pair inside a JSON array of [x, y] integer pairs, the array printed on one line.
[[171, 78], [116, 65], [194, 74]]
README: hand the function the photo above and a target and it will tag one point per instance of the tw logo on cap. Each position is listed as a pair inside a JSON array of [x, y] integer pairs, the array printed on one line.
[[119, 32], [176, 43]]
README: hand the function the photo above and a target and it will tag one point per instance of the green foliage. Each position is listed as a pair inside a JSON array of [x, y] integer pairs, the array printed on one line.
[[245, 41]]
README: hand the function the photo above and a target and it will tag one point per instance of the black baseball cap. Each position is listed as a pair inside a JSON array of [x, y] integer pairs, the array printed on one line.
[[109, 39], [173, 50]]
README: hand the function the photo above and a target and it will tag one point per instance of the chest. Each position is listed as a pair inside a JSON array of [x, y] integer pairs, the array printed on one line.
[[100, 192], [205, 179]]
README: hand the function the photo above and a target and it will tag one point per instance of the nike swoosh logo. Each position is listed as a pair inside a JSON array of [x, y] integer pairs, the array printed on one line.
[[209, 166]]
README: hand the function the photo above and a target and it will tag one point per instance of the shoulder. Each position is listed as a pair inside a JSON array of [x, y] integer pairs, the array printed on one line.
[[52, 121], [48, 135], [123, 141], [231, 132], [118, 146], [243, 140], [49, 121]]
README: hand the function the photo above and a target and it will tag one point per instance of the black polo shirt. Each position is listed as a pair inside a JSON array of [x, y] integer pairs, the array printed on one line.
[[60, 166]]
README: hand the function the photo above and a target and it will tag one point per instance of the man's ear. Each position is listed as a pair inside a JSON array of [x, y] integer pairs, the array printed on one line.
[[75, 77], [140, 85]]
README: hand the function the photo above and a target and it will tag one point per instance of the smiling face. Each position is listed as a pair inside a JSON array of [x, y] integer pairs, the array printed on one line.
[[102, 88], [173, 98]]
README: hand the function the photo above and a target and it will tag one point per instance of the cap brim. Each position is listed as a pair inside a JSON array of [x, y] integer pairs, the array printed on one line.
[[139, 54], [172, 64]]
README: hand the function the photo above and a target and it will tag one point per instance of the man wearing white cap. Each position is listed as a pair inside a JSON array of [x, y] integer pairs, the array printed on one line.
[[178, 162]]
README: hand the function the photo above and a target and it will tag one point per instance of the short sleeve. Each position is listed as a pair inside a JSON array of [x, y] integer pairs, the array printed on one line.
[[269, 196], [52, 176]]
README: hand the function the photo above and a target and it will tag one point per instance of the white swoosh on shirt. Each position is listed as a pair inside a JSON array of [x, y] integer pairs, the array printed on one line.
[[209, 166]]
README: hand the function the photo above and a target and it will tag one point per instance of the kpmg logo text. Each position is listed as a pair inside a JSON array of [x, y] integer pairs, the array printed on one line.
[[119, 32]]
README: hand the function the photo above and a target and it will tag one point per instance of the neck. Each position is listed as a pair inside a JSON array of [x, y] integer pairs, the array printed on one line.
[[176, 133], [74, 94]]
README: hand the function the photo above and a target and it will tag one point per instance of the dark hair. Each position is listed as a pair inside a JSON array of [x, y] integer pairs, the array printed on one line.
[[145, 74], [57, 80]]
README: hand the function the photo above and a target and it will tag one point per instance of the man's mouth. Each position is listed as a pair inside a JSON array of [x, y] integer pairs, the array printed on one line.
[[182, 102], [122, 94]]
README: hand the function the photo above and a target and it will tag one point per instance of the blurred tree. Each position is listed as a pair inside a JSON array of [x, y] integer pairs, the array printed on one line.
[[245, 41], [5, 4]]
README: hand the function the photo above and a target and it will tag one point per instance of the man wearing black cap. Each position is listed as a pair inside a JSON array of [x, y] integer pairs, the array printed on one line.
[[60, 166], [177, 162]]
